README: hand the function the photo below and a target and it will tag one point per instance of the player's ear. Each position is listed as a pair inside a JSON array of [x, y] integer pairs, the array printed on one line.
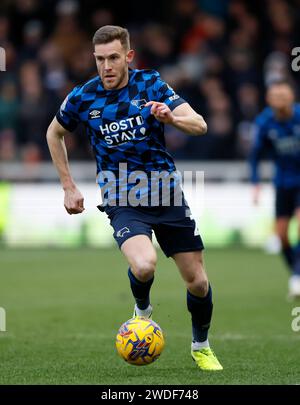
[[130, 56]]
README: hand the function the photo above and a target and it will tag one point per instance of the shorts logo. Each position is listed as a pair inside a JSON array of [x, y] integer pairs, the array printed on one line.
[[94, 114], [121, 232], [139, 103]]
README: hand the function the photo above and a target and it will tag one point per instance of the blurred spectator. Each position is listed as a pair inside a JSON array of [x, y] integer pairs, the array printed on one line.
[[276, 66], [32, 40], [248, 102], [68, 35], [31, 154], [100, 17], [36, 108], [181, 19], [82, 65], [175, 141], [9, 106], [4, 30], [157, 47], [5, 42], [8, 145], [54, 69]]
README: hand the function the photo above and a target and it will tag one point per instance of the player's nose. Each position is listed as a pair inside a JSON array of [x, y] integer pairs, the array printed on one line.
[[106, 65]]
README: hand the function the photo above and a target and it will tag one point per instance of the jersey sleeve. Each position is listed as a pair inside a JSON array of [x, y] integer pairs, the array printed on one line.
[[68, 115], [165, 94], [259, 147]]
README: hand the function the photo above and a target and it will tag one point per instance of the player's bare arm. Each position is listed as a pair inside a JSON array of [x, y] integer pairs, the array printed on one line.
[[73, 200], [182, 117]]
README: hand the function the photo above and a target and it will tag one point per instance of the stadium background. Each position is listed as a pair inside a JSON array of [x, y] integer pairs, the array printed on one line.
[[218, 55]]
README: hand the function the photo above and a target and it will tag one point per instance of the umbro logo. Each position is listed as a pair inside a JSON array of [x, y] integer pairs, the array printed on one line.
[[94, 114], [139, 103], [121, 232]]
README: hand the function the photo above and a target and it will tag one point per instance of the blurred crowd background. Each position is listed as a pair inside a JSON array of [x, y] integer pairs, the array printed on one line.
[[218, 54]]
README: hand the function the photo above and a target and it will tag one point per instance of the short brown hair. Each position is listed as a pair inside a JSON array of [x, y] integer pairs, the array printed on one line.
[[109, 33], [283, 81]]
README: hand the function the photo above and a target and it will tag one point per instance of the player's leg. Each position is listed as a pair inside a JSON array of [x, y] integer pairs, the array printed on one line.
[[297, 248], [282, 226], [294, 281], [200, 305], [199, 294], [288, 203], [284, 207], [141, 257], [180, 240], [133, 235]]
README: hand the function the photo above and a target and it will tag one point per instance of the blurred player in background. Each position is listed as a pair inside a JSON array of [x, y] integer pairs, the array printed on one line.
[[278, 134], [124, 112]]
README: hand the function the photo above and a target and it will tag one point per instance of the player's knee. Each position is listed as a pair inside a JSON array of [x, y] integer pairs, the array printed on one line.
[[284, 240], [144, 268], [282, 233], [199, 285]]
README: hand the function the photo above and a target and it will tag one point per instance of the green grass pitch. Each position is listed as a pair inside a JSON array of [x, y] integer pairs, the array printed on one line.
[[64, 307]]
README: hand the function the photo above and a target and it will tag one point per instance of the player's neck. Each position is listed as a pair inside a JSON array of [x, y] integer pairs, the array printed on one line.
[[284, 113], [124, 82]]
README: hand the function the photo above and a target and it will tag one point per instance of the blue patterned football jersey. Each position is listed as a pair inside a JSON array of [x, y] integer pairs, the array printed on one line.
[[280, 139], [124, 136]]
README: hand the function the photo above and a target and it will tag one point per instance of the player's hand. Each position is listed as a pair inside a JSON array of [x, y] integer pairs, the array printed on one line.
[[161, 112], [256, 194], [73, 201]]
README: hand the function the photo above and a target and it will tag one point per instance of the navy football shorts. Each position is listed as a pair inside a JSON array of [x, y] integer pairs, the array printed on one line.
[[287, 201], [173, 226]]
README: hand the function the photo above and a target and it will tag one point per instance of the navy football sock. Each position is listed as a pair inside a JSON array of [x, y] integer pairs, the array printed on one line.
[[296, 264], [288, 255], [201, 311], [140, 290]]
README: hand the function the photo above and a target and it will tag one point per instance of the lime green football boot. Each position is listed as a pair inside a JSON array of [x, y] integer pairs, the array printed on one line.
[[206, 359]]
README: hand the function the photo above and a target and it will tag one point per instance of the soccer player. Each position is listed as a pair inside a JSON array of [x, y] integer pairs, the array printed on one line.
[[278, 134], [124, 112]]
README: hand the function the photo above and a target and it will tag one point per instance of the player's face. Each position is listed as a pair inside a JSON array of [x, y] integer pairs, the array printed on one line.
[[112, 63], [280, 97]]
